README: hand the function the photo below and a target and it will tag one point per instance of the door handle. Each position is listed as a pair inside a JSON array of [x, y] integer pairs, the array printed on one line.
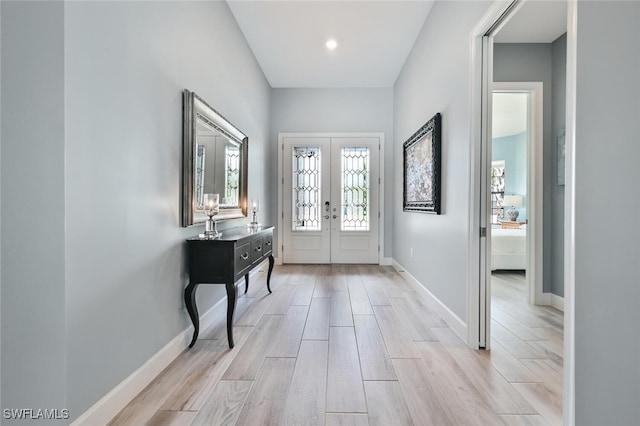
[[326, 217], [326, 207]]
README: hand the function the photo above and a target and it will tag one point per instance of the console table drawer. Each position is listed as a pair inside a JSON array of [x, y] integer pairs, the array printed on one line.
[[243, 257], [268, 243], [256, 249]]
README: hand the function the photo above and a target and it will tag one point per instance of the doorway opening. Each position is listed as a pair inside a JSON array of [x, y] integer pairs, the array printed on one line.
[[516, 219], [329, 197], [529, 334]]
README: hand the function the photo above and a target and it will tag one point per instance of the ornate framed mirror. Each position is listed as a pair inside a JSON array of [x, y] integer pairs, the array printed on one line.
[[215, 157]]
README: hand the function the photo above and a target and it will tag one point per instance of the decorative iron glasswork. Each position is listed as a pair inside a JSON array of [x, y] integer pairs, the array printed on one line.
[[199, 178], [306, 189], [231, 175], [355, 188]]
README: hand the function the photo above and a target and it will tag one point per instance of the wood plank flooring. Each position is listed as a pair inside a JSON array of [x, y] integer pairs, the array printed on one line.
[[357, 345]]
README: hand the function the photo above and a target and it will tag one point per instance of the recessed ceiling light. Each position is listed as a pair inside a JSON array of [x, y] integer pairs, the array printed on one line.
[[331, 44]]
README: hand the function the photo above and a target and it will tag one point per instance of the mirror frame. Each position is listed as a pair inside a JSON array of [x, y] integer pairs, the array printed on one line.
[[194, 107]]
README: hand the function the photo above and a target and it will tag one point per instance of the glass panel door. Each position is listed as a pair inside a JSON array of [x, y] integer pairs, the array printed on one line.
[[354, 225], [330, 200], [306, 198]]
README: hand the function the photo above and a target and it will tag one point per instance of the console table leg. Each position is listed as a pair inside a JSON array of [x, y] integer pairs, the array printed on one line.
[[246, 283], [190, 302], [231, 306], [269, 273]]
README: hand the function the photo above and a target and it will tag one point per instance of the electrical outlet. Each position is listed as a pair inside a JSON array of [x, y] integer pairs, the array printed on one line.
[[411, 252]]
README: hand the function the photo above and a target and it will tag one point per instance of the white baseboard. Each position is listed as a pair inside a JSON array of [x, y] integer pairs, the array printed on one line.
[[550, 299], [457, 325], [557, 302], [103, 411], [543, 299], [386, 261]]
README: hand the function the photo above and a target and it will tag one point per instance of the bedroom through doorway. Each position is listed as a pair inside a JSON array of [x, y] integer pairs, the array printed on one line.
[[515, 185], [509, 185]]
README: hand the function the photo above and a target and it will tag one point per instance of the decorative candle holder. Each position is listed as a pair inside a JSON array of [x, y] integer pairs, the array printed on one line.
[[211, 207], [255, 208]]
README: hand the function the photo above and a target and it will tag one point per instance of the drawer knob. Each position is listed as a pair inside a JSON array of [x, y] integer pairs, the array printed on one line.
[[268, 243], [259, 248], [244, 256]]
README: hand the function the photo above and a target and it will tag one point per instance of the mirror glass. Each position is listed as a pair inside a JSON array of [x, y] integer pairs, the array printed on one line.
[[215, 154]]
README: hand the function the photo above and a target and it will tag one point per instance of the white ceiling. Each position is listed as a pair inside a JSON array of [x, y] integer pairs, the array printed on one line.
[[288, 39], [374, 37], [509, 114], [537, 21]]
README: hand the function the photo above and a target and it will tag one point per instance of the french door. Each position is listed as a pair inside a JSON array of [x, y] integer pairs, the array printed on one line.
[[330, 199]]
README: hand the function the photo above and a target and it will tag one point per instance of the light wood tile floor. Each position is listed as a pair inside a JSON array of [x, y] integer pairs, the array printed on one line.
[[357, 345]]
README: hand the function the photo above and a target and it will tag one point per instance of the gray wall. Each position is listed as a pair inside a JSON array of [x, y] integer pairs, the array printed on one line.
[[92, 251], [513, 151], [337, 110], [435, 79], [534, 62], [126, 64], [33, 206], [607, 259]]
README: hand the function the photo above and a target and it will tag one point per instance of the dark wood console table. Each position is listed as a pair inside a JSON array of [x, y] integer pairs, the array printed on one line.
[[223, 261]]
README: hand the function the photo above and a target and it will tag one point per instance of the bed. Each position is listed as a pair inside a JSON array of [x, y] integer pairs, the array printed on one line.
[[508, 249]]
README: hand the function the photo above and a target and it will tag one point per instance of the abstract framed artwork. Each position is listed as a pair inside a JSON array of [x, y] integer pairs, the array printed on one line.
[[422, 168]]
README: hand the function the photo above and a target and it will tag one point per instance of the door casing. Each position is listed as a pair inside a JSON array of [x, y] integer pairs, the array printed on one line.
[[480, 75], [534, 204], [280, 181]]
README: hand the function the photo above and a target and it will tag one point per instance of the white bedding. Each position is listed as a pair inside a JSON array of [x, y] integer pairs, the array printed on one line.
[[508, 249]]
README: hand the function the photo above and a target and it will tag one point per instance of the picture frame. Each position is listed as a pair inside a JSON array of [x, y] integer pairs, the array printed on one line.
[[422, 168]]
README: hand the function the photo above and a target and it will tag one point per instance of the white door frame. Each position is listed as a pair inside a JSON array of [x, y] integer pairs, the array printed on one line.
[[281, 136], [569, 390], [534, 202], [481, 74]]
